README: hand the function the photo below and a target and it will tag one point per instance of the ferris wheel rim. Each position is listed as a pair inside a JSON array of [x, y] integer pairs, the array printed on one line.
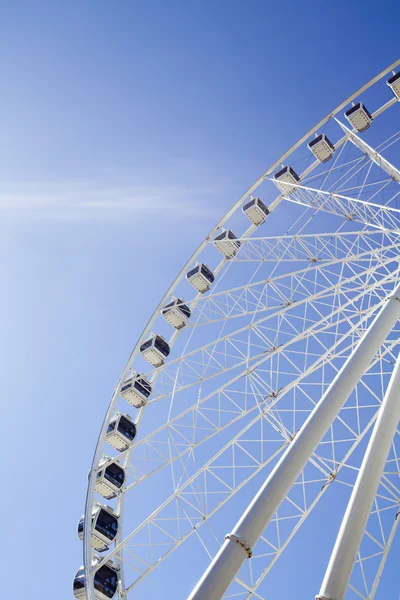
[[101, 438]]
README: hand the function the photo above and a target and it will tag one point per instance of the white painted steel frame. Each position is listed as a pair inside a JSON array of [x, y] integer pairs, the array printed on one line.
[[312, 331], [355, 519], [256, 517], [324, 487], [303, 334], [271, 457], [87, 551], [256, 360], [319, 360]]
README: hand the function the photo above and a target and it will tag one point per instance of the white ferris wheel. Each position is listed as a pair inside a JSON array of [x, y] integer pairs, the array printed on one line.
[[265, 386]]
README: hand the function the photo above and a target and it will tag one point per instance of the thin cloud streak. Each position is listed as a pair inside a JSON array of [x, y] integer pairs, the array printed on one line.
[[74, 201]]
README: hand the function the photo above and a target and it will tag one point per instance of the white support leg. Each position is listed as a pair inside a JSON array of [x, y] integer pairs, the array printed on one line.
[[256, 517], [356, 517]]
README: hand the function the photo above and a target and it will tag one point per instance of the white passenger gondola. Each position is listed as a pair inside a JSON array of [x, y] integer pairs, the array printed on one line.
[[177, 313], [227, 243], [201, 278], [155, 350], [394, 84], [256, 211], [136, 389], [285, 178], [104, 526], [105, 582], [121, 432], [322, 148], [109, 478], [359, 117]]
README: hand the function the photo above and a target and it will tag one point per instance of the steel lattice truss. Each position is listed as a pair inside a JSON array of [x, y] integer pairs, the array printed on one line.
[[256, 356]]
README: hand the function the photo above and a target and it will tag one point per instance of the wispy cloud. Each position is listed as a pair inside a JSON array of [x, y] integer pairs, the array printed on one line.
[[83, 201]]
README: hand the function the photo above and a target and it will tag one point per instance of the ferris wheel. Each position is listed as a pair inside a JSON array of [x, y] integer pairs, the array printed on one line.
[[266, 385]]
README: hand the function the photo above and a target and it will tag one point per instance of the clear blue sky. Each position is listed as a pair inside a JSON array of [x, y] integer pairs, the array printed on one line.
[[127, 129]]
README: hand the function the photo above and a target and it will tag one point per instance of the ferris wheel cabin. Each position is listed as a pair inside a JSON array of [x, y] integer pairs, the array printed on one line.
[[285, 178], [256, 211], [227, 243], [155, 350], [121, 432], [136, 389], [109, 479], [322, 148], [104, 527], [201, 278], [105, 583], [394, 84], [176, 313], [359, 117]]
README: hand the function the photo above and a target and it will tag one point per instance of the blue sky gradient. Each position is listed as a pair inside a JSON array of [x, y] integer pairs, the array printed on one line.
[[127, 130]]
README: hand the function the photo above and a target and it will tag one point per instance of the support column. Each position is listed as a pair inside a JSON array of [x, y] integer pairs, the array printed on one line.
[[356, 517], [238, 544]]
